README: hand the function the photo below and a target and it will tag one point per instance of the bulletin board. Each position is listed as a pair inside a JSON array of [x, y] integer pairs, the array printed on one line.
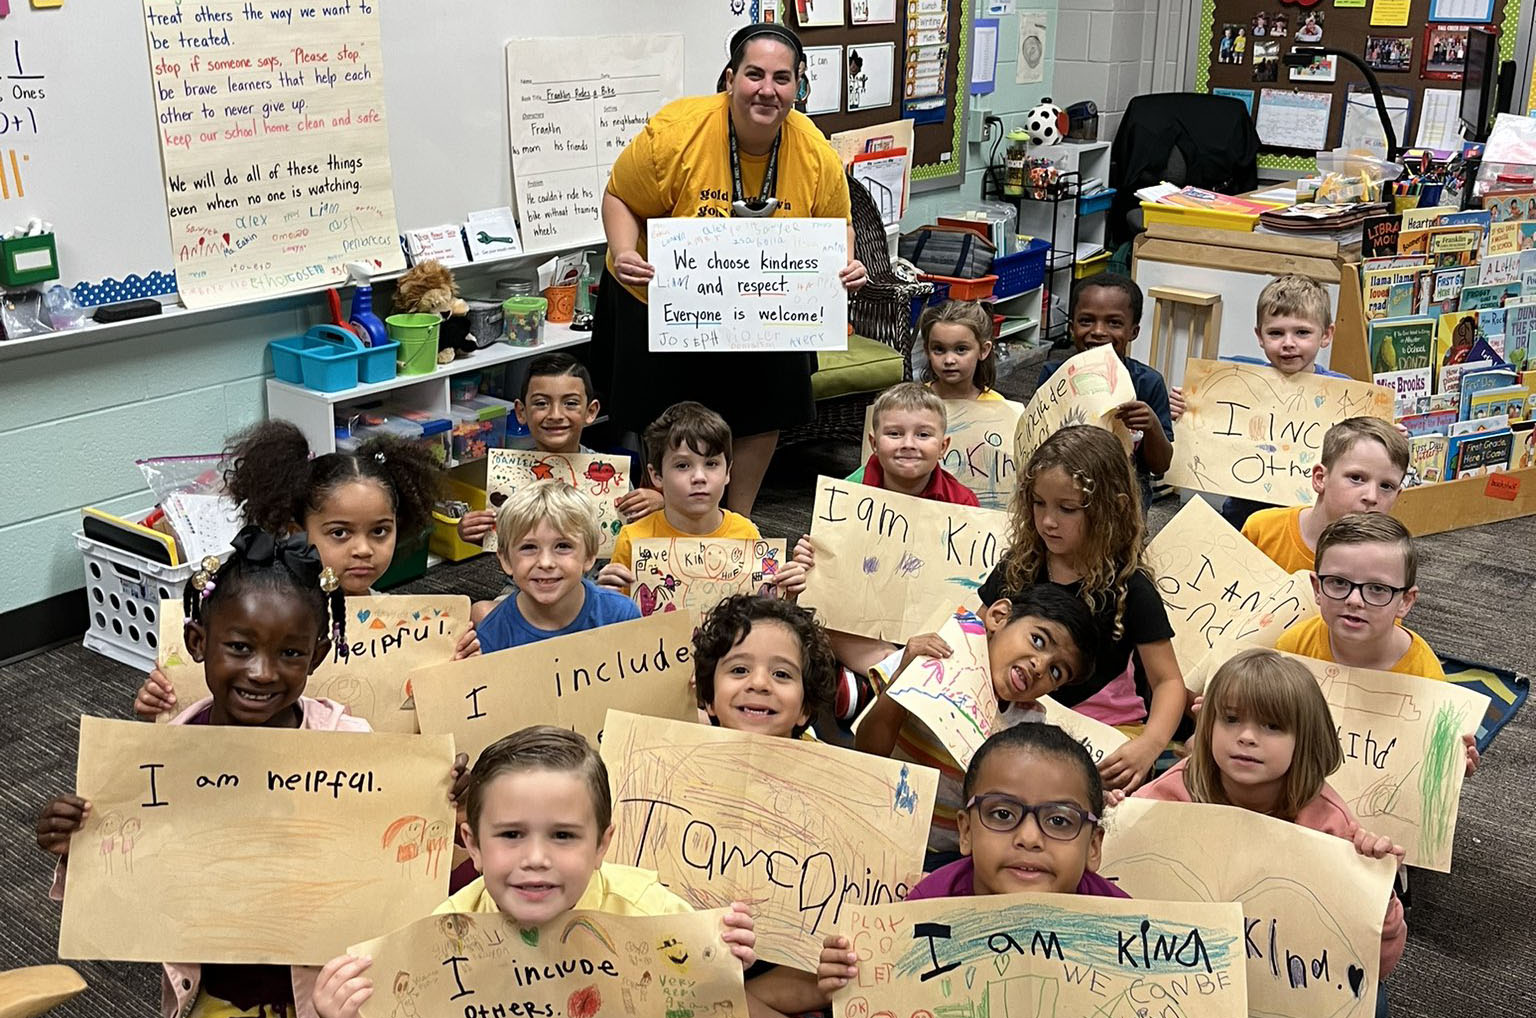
[[939, 156], [1343, 27]]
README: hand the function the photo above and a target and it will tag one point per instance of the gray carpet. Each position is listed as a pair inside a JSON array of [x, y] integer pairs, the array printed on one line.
[[1470, 932]]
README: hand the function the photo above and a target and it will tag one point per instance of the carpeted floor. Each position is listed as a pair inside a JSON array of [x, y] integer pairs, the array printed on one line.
[[1470, 932]]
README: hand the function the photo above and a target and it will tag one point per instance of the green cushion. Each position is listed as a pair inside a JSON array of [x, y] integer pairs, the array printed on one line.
[[866, 366]]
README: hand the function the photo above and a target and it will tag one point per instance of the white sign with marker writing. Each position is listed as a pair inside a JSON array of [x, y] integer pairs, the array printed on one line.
[[748, 284]]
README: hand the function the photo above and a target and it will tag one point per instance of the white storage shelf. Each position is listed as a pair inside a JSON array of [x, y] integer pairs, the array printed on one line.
[[314, 412], [1023, 316]]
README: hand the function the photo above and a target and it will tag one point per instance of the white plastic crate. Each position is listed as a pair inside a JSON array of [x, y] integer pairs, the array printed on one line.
[[123, 593]]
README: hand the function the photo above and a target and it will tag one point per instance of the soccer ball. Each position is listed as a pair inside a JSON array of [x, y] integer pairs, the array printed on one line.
[[1046, 123]]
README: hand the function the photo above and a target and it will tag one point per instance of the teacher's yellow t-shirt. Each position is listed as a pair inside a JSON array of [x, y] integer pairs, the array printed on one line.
[[679, 166]]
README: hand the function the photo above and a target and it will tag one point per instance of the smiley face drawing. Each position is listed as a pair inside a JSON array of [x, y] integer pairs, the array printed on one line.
[[670, 949]]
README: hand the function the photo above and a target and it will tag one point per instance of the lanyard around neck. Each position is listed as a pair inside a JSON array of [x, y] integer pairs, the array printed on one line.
[[766, 202]]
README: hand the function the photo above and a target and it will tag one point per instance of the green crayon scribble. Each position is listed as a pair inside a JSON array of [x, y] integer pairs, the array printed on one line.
[[1442, 756]]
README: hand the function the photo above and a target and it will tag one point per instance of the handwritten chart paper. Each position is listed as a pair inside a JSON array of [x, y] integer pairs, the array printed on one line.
[[581, 964], [1251, 432], [643, 666], [603, 479], [1404, 761], [1046, 954], [571, 111], [953, 697], [252, 845], [748, 284], [388, 635], [274, 145], [886, 561], [700, 572], [1312, 906], [1211, 577], [797, 828], [1086, 389], [980, 453], [1099, 739]]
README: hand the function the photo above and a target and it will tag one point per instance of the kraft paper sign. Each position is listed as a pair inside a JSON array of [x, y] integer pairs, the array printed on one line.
[[1251, 432], [798, 828], [1026, 955], [583, 964], [953, 697], [1313, 906], [980, 452], [700, 572], [1404, 760], [274, 143], [1099, 739], [253, 846], [1212, 578], [748, 284], [644, 665], [604, 479], [388, 635], [885, 562], [1086, 389]]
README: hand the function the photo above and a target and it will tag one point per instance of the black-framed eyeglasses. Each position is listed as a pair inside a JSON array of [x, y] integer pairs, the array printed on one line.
[[1003, 813], [1377, 595]]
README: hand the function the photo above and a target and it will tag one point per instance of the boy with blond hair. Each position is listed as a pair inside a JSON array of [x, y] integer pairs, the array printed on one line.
[[1362, 469], [547, 540], [1294, 323], [907, 440]]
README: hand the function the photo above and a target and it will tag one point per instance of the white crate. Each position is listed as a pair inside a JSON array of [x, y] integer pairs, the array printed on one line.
[[123, 593]]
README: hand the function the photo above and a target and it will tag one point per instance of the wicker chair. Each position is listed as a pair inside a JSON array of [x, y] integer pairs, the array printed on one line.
[[881, 310]]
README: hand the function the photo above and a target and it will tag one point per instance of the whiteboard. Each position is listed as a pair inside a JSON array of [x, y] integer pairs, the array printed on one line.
[[86, 157]]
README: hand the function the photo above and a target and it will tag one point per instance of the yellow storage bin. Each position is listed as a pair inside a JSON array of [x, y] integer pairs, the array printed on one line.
[[1180, 215], [1092, 266], [465, 484]]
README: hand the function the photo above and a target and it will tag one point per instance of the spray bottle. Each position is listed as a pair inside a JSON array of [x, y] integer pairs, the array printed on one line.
[[362, 305]]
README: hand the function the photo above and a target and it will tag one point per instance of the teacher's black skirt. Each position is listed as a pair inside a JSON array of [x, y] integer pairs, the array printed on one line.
[[754, 392]]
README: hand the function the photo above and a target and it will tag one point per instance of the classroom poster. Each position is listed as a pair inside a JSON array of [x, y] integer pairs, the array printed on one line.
[[824, 71], [257, 846], [582, 964], [1312, 906], [700, 572], [1211, 579], [602, 478], [1029, 955], [886, 562], [1086, 389], [570, 111], [643, 665], [388, 635], [980, 453], [748, 284], [800, 829], [1251, 432], [274, 144]]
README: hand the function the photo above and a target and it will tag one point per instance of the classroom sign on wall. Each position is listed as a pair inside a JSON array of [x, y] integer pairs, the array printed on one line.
[[274, 145]]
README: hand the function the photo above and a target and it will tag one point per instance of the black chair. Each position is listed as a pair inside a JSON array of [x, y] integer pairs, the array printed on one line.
[[1185, 138]]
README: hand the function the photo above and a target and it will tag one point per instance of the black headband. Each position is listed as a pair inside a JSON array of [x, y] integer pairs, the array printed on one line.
[[765, 30]]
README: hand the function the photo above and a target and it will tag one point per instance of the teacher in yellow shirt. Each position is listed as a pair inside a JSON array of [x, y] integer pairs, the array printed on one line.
[[745, 151]]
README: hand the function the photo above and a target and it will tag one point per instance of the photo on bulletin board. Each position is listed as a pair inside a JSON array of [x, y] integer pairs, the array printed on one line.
[[1309, 27], [1232, 47], [819, 13], [1445, 52], [824, 70], [1389, 53], [1279, 24], [1266, 61], [873, 12], [871, 74], [1465, 11], [1325, 68]]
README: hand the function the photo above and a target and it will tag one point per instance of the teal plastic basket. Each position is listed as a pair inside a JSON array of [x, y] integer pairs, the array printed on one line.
[[329, 358]]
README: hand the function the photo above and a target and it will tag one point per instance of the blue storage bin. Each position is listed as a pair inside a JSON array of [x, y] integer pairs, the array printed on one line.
[[1097, 202], [377, 363], [329, 358], [286, 362], [1020, 271]]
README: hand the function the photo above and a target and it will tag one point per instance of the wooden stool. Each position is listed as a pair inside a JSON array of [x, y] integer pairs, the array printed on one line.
[[1204, 321]]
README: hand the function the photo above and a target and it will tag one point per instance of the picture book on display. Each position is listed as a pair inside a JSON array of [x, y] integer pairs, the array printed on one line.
[[1450, 301]]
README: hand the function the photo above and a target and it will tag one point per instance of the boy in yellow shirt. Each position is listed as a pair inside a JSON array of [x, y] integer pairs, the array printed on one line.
[[539, 821], [1363, 464], [688, 456]]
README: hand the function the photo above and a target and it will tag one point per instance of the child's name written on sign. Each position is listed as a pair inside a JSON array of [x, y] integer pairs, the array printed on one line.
[[274, 143], [748, 284]]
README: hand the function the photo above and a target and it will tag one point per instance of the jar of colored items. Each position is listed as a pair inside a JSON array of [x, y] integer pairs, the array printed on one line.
[[525, 319]]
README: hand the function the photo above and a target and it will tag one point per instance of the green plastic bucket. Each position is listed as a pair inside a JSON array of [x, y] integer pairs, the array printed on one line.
[[417, 336]]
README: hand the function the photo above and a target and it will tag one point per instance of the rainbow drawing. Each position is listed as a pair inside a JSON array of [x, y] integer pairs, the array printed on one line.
[[598, 933]]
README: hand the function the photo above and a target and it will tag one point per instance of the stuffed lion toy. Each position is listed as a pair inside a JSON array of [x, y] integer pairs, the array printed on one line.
[[429, 288]]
